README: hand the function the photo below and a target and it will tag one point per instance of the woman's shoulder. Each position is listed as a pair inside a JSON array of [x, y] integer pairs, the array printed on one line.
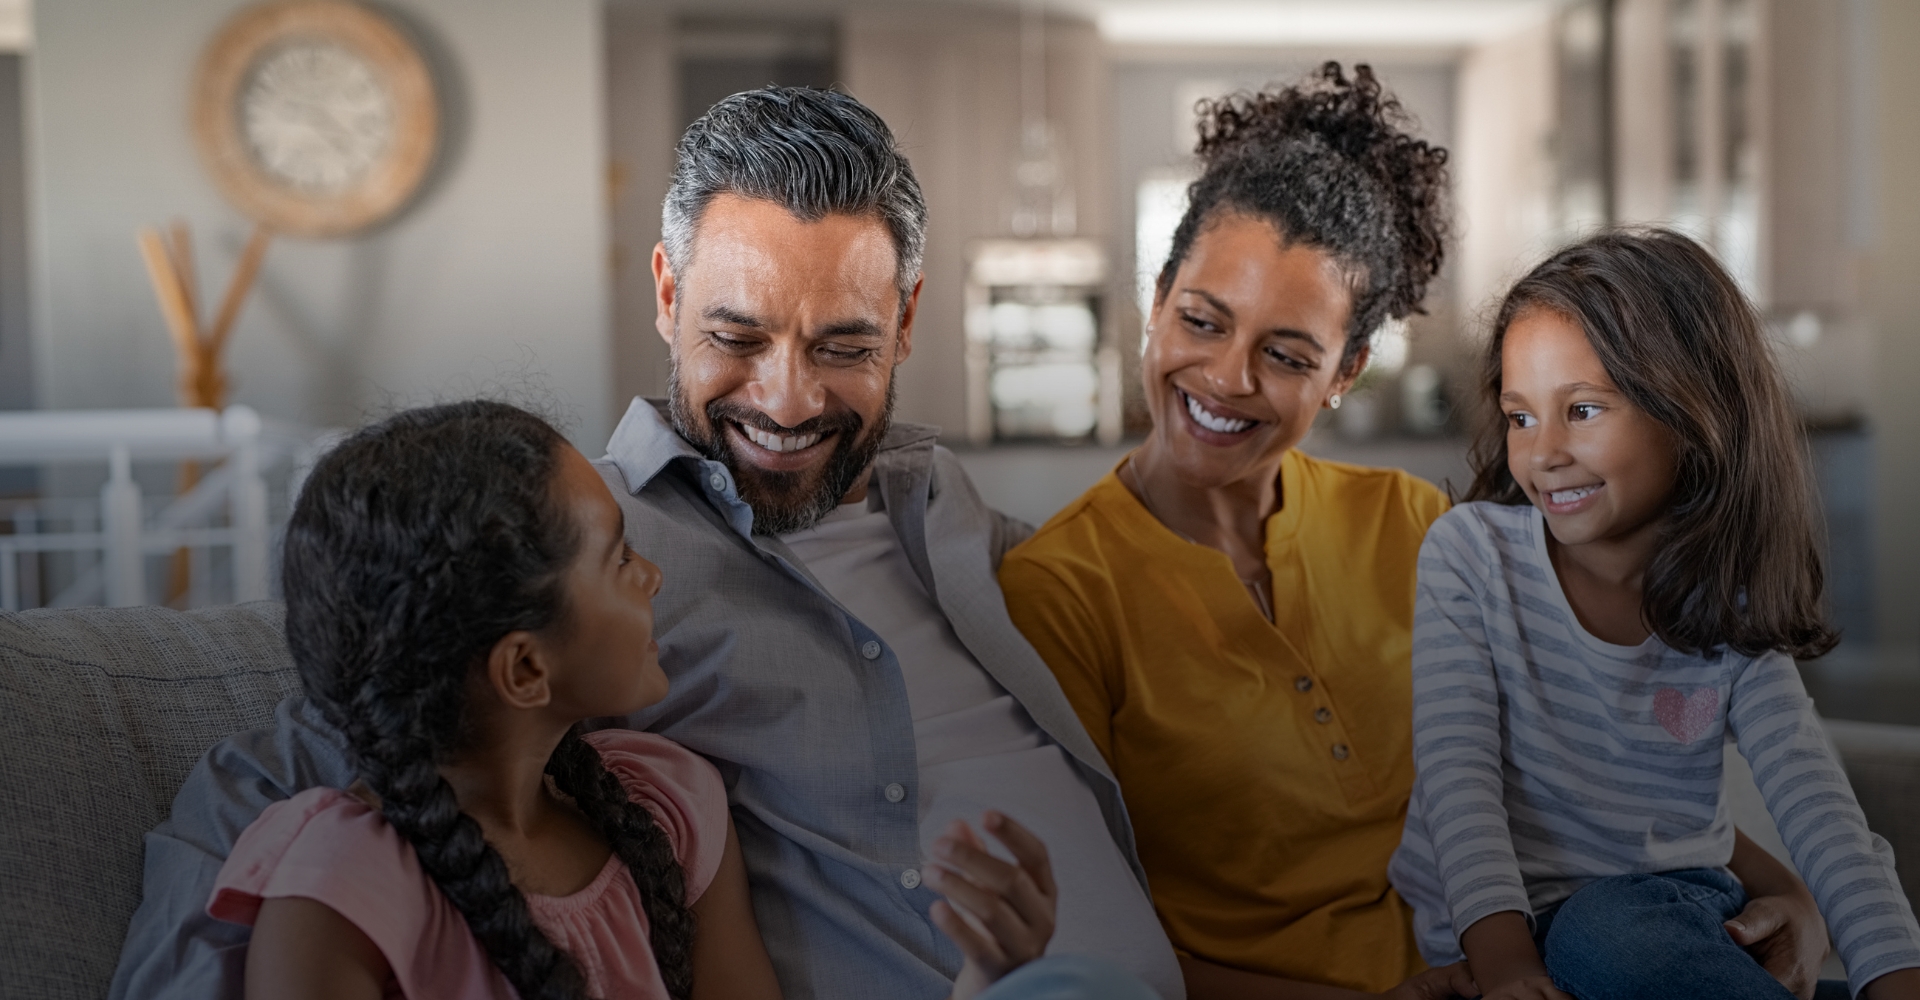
[[1082, 534], [683, 790], [1349, 486]]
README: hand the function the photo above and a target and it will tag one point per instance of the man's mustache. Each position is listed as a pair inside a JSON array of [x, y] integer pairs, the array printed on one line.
[[720, 411]]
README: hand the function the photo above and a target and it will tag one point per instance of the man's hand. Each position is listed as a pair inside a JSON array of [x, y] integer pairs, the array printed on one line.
[[1447, 982], [1000, 914]]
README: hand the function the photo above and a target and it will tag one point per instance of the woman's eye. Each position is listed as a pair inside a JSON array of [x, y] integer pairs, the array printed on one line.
[[1198, 322], [1289, 360]]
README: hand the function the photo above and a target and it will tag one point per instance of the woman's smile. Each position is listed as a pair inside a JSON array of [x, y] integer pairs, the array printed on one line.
[[1214, 423]]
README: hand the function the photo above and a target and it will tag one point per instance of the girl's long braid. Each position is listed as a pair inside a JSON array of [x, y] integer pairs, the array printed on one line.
[[396, 758], [415, 545], [637, 838]]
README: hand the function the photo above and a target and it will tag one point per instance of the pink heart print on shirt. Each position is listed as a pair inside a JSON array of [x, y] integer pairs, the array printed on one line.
[[1686, 716]]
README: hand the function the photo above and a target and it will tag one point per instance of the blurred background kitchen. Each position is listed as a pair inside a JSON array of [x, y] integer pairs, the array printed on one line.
[[1053, 142]]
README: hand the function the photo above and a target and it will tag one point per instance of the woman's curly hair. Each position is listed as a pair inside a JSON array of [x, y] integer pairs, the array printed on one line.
[[415, 545], [1330, 164]]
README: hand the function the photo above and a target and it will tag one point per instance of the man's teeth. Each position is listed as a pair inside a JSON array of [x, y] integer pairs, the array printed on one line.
[[1569, 496], [1222, 425], [779, 442]]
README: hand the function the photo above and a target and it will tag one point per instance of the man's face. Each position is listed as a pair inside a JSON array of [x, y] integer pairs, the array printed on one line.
[[785, 334]]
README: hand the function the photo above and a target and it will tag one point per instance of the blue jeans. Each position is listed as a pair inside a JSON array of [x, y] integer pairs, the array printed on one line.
[[1631, 937], [1069, 977]]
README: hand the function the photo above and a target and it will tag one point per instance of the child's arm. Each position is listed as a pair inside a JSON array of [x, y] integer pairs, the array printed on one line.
[[1504, 961], [1457, 737], [1902, 984], [729, 957], [302, 949], [1849, 869]]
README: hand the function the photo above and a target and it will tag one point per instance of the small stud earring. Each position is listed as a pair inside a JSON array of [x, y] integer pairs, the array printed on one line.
[[1333, 403]]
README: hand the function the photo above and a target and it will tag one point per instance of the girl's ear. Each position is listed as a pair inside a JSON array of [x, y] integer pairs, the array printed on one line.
[[518, 671]]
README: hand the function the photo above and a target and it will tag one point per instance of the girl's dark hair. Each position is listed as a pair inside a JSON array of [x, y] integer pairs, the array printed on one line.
[[1739, 562], [1328, 162], [415, 545]]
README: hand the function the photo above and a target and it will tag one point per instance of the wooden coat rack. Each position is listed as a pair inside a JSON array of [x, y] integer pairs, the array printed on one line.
[[203, 383]]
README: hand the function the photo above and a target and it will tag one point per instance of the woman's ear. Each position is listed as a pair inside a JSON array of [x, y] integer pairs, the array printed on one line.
[[1344, 381], [519, 672]]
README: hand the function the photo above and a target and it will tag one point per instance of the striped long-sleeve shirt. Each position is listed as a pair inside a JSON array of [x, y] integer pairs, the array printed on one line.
[[1546, 758]]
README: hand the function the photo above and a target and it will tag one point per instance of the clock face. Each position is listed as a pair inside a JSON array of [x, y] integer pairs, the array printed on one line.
[[315, 116]]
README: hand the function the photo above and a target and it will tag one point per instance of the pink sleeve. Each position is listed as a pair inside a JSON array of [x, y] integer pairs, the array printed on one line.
[[681, 789], [330, 847]]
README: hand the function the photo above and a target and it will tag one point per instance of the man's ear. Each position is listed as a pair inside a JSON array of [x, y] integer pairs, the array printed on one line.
[[666, 289], [518, 671], [906, 321]]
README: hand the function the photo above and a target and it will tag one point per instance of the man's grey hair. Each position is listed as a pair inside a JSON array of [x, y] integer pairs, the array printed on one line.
[[815, 152]]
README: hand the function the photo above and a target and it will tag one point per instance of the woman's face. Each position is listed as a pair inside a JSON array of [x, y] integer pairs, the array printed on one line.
[[1243, 351], [608, 660], [1596, 465]]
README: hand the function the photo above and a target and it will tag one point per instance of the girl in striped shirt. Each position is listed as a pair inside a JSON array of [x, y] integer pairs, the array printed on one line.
[[1627, 591]]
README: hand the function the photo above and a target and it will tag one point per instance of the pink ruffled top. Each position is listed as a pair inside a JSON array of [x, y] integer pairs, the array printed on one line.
[[326, 845]]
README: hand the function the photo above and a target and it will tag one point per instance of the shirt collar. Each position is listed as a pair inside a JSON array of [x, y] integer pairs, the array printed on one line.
[[644, 443]]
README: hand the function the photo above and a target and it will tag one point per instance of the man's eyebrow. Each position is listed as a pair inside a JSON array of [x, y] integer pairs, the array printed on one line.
[[734, 317], [852, 328]]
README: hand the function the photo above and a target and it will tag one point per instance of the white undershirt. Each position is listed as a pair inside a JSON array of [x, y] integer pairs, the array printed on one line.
[[978, 749]]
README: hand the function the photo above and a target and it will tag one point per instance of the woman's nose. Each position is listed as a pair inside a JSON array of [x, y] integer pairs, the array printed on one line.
[[1229, 371]]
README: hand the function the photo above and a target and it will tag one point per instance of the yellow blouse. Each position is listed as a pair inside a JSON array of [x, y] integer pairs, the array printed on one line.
[[1266, 765]]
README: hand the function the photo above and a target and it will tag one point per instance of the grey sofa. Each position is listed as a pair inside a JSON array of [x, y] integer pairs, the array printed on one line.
[[102, 714], [104, 711]]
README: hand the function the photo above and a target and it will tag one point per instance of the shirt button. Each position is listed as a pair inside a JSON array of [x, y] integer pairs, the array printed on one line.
[[870, 650], [1339, 751], [1322, 716], [1303, 684], [910, 879], [895, 792], [718, 482]]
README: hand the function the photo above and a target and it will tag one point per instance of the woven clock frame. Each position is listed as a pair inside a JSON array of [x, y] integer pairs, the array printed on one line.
[[385, 187]]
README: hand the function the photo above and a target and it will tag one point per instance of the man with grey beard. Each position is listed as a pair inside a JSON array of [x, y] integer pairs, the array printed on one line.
[[830, 622]]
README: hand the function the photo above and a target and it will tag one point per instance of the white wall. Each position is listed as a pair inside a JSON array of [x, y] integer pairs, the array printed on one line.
[[496, 279], [946, 79], [1503, 167]]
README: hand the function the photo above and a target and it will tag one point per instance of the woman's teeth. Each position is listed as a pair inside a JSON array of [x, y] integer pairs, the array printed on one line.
[[1217, 424], [778, 442], [1570, 496]]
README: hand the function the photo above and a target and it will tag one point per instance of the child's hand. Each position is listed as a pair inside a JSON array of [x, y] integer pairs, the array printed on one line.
[[1000, 914], [1527, 988]]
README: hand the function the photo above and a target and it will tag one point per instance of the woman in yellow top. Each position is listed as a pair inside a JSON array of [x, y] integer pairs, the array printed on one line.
[[1232, 619]]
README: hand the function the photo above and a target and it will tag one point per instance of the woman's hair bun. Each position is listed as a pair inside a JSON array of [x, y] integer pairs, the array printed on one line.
[[1333, 162]]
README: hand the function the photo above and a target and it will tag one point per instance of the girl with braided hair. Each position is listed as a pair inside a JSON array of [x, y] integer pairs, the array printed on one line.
[[460, 597], [1233, 619]]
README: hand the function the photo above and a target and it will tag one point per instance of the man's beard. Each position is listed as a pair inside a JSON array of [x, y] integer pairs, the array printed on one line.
[[782, 502]]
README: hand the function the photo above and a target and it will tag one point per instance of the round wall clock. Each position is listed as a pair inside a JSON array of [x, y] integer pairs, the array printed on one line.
[[315, 117]]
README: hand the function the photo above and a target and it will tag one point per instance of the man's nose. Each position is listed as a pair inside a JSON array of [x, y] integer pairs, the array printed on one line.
[[785, 385]]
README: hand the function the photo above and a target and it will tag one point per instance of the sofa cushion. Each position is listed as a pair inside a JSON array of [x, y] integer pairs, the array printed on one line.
[[104, 712]]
